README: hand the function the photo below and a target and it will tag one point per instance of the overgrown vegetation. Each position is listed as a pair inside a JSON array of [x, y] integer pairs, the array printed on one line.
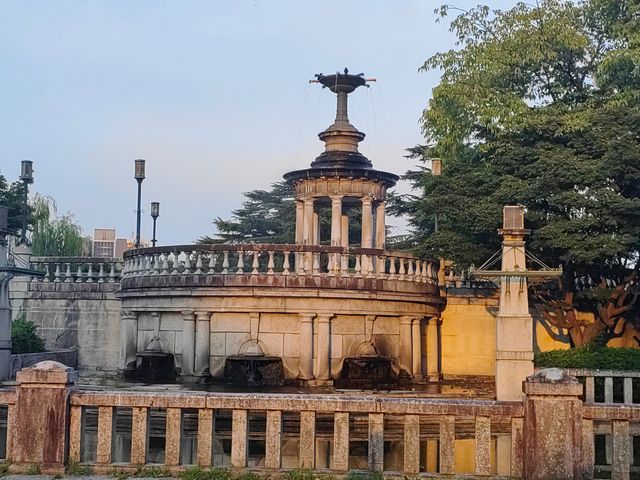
[[198, 473], [4, 469], [152, 472], [76, 469], [24, 337], [602, 358]]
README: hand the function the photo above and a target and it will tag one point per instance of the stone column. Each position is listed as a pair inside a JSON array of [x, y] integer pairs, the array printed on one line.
[[299, 221], [380, 225], [552, 426], [514, 325], [42, 405], [128, 341], [344, 240], [188, 342], [405, 344], [367, 219], [316, 229], [203, 329], [433, 373], [336, 220], [323, 367], [307, 230], [306, 346], [416, 349]]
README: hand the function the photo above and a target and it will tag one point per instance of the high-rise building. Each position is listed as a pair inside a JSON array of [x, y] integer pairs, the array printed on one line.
[[107, 245]]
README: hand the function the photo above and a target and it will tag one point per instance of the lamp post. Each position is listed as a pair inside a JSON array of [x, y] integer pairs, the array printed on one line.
[[155, 213], [26, 175], [139, 176]]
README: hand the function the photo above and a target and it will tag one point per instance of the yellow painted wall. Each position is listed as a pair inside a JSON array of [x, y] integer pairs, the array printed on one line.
[[469, 334]]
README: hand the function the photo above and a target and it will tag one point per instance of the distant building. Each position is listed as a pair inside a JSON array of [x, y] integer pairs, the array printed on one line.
[[107, 245]]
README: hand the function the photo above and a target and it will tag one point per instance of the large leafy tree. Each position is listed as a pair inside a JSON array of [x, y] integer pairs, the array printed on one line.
[[540, 106], [53, 235], [11, 196]]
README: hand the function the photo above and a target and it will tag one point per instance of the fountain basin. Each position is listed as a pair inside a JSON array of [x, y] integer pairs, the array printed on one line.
[[155, 367], [254, 370], [366, 372]]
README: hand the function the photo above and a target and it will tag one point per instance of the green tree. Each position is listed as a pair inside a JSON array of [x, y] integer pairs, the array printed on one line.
[[54, 236], [540, 106], [11, 196]]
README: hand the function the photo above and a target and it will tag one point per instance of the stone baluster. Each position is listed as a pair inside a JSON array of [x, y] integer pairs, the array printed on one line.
[[240, 270], [187, 263], [418, 274], [46, 278], [255, 264], [410, 268], [426, 264], [79, 274], [156, 264], [316, 263], [149, 265], [165, 264], [381, 266], [198, 256], [68, 278], [112, 273], [212, 264], [330, 270], [285, 264], [90, 273], [56, 274], [358, 268], [176, 263], [401, 269], [101, 273], [392, 267], [301, 263], [271, 263], [225, 263], [430, 273]]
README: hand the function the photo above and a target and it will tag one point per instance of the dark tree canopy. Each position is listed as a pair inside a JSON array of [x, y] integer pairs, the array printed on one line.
[[12, 195], [540, 107]]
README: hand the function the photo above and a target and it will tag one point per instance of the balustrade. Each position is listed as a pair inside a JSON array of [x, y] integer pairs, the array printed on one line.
[[78, 269], [256, 259]]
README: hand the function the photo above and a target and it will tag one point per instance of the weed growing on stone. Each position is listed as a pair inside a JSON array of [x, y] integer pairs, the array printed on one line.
[[300, 474], [34, 469], [248, 476], [4, 469], [197, 473], [119, 474], [76, 469], [364, 476], [152, 472]]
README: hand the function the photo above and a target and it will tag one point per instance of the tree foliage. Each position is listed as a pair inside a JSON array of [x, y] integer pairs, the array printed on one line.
[[54, 236], [24, 337], [11, 196], [540, 106]]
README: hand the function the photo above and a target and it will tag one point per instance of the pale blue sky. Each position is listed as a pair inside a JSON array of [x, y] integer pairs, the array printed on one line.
[[213, 94]]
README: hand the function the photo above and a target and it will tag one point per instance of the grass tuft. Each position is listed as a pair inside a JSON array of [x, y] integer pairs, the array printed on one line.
[[76, 469]]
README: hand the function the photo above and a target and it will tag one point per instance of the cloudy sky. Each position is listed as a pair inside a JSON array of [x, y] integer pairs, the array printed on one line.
[[213, 94]]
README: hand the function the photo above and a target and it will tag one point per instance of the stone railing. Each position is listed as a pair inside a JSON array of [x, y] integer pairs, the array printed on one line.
[[551, 433], [301, 260], [78, 269], [608, 386]]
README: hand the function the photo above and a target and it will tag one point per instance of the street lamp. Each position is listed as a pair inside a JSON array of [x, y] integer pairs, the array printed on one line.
[[26, 175], [139, 176], [155, 213]]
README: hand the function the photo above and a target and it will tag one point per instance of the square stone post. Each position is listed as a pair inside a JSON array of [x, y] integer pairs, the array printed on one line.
[[128, 341], [203, 335], [514, 325], [188, 342], [552, 426], [38, 437]]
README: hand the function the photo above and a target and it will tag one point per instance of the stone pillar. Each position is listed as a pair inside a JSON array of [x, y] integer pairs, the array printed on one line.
[[299, 221], [552, 426], [323, 367], [128, 341], [514, 325], [316, 229], [433, 372], [367, 219], [42, 405], [307, 230], [188, 342], [405, 344], [306, 346], [203, 329], [416, 350], [336, 220], [380, 225], [344, 241]]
